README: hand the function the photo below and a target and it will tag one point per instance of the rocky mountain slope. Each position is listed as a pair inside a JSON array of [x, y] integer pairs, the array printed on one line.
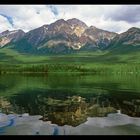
[[10, 36], [126, 41], [64, 36]]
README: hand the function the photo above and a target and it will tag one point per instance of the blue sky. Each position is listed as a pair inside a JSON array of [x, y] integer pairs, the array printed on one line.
[[9, 19], [116, 18], [54, 10]]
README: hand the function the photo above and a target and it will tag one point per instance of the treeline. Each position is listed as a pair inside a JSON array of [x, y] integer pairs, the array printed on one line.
[[41, 68], [83, 68]]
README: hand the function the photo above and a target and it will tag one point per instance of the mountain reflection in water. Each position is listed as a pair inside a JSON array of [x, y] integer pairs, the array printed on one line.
[[69, 99]]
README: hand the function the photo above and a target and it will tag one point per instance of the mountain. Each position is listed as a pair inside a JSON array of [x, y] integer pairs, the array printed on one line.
[[10, 36], [67, 36], [72, 34], [64, 36], [94, 37], [54, 38], [128, 41]]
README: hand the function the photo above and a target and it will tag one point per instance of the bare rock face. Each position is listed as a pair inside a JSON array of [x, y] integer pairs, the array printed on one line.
[[125, 42], [8, 36], [100, 38], [130, 37], [4, 41], [77, 26], [37, 35]]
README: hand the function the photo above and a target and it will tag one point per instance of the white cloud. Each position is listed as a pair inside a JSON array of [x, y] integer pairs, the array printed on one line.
[[28, 17], [4, 24]]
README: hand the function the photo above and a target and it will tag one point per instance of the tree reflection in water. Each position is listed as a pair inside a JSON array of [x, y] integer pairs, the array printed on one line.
[[69, 100], [72, 111]]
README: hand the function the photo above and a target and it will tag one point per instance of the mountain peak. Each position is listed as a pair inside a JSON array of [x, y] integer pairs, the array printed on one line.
[[8, 36], [16, 31], [59, 21], [59, 25], [4, 33], [76, 22], [131, 37], [133, 29], [19, 30], [10, 32]]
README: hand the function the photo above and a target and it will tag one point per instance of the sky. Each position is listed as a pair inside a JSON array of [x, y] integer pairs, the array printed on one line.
[[115, 18]]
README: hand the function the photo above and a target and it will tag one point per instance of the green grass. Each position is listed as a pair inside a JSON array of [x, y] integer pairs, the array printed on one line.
[[19, 58], [95, 62], [10, 55]]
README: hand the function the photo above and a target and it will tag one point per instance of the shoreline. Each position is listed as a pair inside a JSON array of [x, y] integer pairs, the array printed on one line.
[[113, 124]]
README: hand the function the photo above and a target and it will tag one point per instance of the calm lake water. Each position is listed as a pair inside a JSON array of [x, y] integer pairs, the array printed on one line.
[[68, 99]]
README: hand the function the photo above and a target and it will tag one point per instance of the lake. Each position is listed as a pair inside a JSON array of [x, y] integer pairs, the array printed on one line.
[[69, 99]]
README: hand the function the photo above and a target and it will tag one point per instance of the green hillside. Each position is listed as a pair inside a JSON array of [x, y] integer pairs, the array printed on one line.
[[96, 62]]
